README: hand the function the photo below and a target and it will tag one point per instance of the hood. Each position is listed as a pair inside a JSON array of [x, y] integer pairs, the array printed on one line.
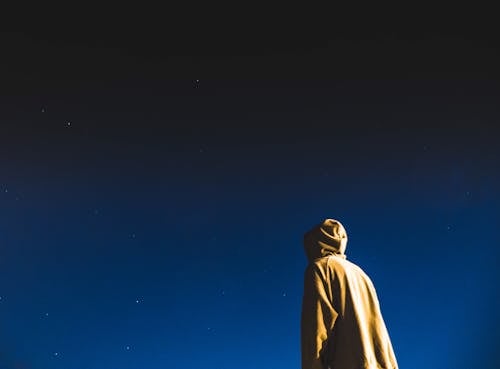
[[327, 238]]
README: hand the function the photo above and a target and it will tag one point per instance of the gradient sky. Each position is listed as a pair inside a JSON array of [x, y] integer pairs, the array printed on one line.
[[152, 203]]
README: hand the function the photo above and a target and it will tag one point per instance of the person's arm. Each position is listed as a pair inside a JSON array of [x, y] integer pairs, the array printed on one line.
[[318, 318]]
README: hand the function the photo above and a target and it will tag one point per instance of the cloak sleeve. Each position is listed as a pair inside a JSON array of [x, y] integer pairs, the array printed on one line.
[[318, 318]]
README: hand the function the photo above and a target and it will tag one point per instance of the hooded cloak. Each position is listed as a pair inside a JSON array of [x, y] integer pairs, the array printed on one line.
[[341, 325]]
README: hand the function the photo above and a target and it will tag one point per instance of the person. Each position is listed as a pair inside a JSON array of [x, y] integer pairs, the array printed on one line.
[[341, 323]]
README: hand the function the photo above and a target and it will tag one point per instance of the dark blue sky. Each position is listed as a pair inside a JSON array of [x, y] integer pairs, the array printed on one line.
[[151, 216]]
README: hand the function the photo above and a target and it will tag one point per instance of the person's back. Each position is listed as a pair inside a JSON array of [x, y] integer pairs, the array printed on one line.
[[342, 325]]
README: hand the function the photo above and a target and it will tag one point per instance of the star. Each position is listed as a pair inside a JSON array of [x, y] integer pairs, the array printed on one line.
[[56, 354], [42, 110], [68, 124], [284, 294], [127, 348], [137, 301], [132, 235]]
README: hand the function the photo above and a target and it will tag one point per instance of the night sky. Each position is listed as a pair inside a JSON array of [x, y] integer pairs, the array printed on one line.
[[154, 190]]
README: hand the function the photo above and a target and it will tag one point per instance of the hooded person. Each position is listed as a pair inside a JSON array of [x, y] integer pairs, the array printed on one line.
[[341, 325]]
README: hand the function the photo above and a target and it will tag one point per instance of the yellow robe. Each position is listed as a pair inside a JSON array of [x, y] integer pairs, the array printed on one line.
[[342, 325]]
